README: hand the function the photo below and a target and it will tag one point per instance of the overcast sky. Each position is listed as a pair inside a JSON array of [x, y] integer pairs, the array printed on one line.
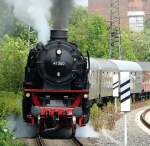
[[82, 2]]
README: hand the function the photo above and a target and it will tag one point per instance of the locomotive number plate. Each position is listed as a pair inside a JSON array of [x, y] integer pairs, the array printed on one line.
[[59, 63]]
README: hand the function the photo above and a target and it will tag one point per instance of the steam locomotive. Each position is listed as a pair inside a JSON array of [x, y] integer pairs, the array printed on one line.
[[56, 85]]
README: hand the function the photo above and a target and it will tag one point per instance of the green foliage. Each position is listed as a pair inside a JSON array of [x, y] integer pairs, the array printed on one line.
[[128, 52], [95, 115], [147, 24], [94, 111], [103, 118], [79, 14], [13, 52], [136, 45], [9, 103], [7, 139], [145, 38], [90, 32], [22, 31], [141, 45]]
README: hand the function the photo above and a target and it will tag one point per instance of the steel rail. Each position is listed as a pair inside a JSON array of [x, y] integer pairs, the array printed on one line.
[[143, 119], [40, 141], [76, 141]]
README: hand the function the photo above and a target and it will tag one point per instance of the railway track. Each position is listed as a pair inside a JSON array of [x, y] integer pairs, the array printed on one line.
[[76, 142], [40, 141], [143, 118], [70, 142]]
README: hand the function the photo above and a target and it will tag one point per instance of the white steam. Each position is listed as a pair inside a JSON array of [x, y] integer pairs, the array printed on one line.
[[35, 13], [87, 131]]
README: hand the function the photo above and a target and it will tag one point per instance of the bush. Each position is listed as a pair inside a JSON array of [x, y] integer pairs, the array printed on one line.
[[9, 104], [13, 52], [7, 139], [89, 32], [95, 118], [105, 118]]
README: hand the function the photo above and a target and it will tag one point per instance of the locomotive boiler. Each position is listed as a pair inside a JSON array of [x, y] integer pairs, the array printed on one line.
[[56, 85]]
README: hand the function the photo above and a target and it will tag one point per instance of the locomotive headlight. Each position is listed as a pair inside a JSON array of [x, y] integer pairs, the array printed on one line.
[[28, 95], [58, 52], [74, 120], [86, 95]]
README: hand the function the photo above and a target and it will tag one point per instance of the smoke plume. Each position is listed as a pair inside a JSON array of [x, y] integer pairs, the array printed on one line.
[[35, 13], [7, 21], [60, 12]]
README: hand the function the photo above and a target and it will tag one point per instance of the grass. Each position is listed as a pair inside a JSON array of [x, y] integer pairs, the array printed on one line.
[[147, 102], [9, 104], [107, 117], [7, 139], [104, 118], [139, 104]]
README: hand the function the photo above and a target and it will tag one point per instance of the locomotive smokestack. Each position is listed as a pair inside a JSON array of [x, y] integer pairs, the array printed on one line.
[[60, 12], [59, 35]]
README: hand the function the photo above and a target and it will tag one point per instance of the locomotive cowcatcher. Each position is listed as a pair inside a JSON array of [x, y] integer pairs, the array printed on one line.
[[56, 85]]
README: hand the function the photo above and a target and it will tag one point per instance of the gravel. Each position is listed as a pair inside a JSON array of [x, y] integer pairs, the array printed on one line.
[[136, 136]]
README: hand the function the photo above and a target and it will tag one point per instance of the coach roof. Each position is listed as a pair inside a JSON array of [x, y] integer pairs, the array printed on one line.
[[107, 65], [144, 65], [94, 65], [127, 65]]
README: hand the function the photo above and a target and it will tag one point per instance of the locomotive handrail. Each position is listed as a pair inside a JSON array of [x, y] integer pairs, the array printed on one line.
[[55, 91], [89, 65]]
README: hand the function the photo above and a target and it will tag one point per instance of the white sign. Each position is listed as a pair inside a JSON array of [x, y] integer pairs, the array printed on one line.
[[125, 92]]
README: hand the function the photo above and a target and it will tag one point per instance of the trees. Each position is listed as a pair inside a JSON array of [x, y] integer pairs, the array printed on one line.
[[89, 31], [127, 47], [136, 45], [141, 45], [147, 39], [13, 52]]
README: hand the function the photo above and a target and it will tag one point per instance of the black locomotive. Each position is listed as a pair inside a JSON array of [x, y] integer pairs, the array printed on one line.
[[56, 85], [58, 65]]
